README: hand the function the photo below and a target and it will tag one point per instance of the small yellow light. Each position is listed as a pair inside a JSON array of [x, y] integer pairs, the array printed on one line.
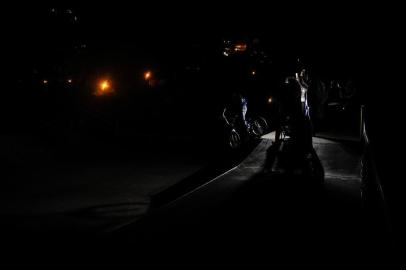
[[147, 75], [253, 73], [270, 100], [45, 81], [69, 80], [104, 86]]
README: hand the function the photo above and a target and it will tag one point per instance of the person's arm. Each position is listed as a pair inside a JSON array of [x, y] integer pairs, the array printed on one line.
[[301, 81], [225, 117]]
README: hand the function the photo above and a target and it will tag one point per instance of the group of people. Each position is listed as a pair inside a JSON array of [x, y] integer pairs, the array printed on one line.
[[292, 109], [300, 102]]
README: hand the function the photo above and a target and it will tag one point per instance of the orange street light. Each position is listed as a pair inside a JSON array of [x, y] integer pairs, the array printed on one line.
[[147, 75], [103, 88]]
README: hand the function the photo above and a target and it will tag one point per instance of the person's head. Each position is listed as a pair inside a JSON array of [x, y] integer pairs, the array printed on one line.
[[304, 75]]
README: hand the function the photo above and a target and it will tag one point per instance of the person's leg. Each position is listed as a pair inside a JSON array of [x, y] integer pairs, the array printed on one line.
[[277, 134]]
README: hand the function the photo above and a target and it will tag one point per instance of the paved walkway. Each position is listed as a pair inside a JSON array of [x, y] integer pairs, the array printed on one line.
[[253, 206]]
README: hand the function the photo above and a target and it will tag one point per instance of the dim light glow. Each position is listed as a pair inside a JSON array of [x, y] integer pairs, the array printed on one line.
[[147, 75], [69, 80], [270, 100], [45, 81], [103, 88], [242, 47], [253, 72]]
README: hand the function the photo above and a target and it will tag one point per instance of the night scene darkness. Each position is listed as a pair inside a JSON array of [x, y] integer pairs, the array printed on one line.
[[199, 131]]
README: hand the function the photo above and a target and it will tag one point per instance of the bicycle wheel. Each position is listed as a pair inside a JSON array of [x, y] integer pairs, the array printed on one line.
[[259, 127], [234, 139]]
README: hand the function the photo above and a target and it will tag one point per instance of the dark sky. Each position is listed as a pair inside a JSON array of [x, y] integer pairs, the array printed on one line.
[[337, 32]]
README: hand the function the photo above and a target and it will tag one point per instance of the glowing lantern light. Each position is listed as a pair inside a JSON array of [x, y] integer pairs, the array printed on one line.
[[104, 87], [147, 75]]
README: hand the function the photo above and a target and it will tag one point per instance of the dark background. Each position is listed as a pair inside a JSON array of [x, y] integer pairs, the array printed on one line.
[[340, 40]]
